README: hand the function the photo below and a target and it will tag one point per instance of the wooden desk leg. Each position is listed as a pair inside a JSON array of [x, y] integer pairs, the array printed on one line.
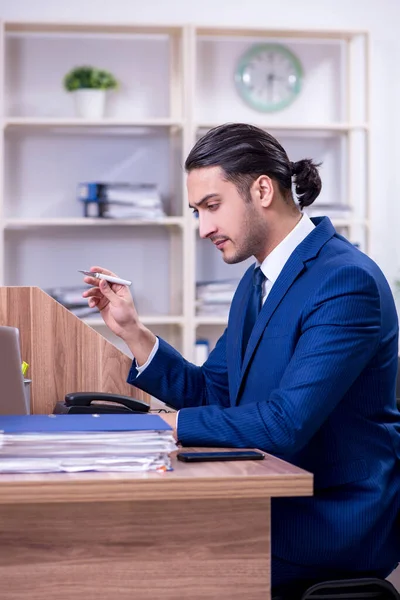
[[189, 549]]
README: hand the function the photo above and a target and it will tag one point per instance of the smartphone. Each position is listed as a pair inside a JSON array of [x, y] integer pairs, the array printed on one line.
[[223, 455]]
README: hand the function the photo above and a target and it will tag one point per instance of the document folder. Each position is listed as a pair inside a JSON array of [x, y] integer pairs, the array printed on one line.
[[74, 443], [10, 424]]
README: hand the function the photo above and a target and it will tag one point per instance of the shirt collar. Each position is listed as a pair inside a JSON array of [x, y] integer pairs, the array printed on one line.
[[273, 264]]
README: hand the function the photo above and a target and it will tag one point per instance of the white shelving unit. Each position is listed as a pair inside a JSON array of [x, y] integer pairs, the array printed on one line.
[[176, 83]]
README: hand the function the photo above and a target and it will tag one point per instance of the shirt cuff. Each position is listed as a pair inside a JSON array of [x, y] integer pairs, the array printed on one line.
[[148, 361]]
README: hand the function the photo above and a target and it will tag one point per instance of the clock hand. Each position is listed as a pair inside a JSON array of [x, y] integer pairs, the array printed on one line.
[[270, 85]]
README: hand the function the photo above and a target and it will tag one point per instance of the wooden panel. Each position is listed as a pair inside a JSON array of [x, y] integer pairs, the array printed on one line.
[[15, 312], [64, 354], [144, 551], [225, 480]]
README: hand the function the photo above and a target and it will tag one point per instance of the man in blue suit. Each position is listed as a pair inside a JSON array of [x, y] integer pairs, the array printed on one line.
[[306, 368]]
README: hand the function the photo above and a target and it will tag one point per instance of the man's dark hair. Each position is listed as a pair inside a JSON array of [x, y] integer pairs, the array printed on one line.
[[245, 152]]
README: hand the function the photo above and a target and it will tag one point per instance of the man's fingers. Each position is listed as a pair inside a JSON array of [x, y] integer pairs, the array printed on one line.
[[102, 270], [106, 290], [93, 302], [93, 291], [91, 280]]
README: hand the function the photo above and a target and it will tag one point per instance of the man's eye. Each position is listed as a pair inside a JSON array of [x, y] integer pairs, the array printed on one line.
[[212, 206], [195, 212]]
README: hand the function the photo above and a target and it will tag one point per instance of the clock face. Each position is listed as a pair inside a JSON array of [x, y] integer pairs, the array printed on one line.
[[269, 77]]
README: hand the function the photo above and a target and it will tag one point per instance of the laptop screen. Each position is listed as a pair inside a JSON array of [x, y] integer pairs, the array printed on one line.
[[13, 400]]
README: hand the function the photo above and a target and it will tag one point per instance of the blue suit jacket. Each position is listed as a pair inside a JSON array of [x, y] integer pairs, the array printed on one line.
[[317, 388]]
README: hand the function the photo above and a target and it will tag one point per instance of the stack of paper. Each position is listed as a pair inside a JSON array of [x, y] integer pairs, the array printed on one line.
[[133, 202], [72, 443], [121, 200], [71, 298], [215, 297]]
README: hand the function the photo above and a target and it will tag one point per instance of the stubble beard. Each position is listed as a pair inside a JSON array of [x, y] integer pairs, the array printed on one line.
[[254, 235]]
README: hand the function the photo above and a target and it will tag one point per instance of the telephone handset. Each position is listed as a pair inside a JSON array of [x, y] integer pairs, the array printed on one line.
[[99, 402]]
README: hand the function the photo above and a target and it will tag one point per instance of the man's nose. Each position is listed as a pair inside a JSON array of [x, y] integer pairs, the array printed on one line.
[[206, 226]]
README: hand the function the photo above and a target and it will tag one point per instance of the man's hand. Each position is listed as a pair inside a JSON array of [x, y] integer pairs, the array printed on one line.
[[170, 418], [114, 302], [116, 306]]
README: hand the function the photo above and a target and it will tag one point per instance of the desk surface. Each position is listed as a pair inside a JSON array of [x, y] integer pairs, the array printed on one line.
[[240, 479]]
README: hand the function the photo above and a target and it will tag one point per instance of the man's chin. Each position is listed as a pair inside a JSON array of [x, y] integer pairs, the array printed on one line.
[[232, 259]]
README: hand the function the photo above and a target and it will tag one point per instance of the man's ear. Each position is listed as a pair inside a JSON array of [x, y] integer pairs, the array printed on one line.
[[264, 190]]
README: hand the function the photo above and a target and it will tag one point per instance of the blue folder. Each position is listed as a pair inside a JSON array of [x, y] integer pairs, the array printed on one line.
[[81, 423]]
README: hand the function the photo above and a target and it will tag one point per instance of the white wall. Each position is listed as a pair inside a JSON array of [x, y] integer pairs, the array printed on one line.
[[380, 17]]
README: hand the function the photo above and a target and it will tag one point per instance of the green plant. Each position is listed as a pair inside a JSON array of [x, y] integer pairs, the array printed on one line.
[[89, 78]]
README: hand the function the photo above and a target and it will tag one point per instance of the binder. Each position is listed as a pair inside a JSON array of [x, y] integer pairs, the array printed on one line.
[[14, 424], [88, 442]]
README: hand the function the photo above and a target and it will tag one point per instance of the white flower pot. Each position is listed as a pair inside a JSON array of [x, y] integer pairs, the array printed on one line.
[[89, 104]]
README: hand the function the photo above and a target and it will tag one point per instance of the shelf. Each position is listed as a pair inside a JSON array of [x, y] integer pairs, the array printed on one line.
[[336, 222], [138, 126], [23, 27], [18, 224], [346, 222], [13, 123], [205, 320], [146, 320], [311, 128], [178, 83], [319, 34]]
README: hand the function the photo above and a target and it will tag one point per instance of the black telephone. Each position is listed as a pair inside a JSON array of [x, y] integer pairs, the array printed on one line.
[[97, 402]]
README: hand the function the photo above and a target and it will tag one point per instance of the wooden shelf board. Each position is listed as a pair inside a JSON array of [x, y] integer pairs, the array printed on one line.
[[148, 125], [18, 224], [25, 27], [343, 127], [210, 320], [280, 33]]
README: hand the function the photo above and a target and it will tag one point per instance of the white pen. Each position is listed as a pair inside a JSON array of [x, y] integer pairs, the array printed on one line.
[[109, 278]]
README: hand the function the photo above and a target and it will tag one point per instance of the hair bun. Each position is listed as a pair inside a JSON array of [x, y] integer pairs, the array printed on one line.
[[307, 181]]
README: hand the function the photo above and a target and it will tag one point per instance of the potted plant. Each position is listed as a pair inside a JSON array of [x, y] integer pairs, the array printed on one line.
[[89, 86]]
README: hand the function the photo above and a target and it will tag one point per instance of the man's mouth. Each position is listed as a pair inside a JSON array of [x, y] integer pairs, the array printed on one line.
[[220, 243]]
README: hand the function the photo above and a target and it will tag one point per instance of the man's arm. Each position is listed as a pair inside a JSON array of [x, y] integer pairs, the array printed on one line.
[[163, 372], [179, 383], [340, 333]]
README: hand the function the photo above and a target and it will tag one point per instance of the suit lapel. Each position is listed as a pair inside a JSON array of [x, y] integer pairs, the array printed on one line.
[[235, 332], [293, 268]]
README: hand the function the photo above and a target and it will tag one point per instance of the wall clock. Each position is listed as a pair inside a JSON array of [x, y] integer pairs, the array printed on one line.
[[269, 77]]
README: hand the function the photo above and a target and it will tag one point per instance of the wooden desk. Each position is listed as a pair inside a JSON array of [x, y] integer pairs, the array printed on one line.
[[199, 532]]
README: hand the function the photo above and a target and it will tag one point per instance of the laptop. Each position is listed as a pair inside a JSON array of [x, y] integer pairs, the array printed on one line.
[[13, 400]]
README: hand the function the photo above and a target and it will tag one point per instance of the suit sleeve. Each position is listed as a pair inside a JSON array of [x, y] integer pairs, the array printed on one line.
[[340, 332], [179, 383]]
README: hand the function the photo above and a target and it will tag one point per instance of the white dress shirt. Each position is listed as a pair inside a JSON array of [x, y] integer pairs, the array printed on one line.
[[271, 266]]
